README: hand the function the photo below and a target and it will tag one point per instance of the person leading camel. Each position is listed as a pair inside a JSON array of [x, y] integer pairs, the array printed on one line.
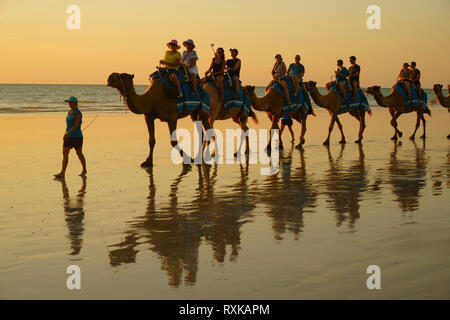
[[415, 79], [296, 70], [404, 78], [190, 62], [73, 138], [341, 77], [217, 68], [353, 77], [172, 59], [279, 71], [234, 69]]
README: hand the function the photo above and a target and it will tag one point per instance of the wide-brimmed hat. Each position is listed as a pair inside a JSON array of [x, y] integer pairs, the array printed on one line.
[[71, 99], [234, 50], [173, 42], [189, 42]]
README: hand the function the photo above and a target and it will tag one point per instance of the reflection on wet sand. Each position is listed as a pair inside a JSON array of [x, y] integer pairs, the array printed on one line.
[[175, 232], [344, 186], [289, 194], [407, 176], [74, 212]]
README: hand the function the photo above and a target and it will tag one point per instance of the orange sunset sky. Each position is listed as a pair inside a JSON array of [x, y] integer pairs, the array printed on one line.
[[131, 36]]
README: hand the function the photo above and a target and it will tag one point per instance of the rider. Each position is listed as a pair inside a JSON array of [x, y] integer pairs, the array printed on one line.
[[415, 79], [353, 78], [190, 62], [404, 77], [234, 68], [296, 71], [217, 68], [278, 73], [341, 77], [172, 60]]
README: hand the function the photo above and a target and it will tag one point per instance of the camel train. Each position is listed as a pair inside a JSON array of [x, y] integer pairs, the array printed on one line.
[[160, 101]]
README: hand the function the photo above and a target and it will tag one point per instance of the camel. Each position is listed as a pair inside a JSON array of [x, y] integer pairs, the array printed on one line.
[[332, 102], [272, 104], [444, 101], [396, 105], [157, 102], [218, 112]]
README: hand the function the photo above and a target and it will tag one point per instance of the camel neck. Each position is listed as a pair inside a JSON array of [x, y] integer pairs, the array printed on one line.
[[319, 99], [443, 100], [260, 104], [133, 101]]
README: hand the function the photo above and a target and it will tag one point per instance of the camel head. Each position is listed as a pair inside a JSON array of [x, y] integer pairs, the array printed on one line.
[[310, 85], [123, 82], [249, 90], [373, 90], [437, 88]]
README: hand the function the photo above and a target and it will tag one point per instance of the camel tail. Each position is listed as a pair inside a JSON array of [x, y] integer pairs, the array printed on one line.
[[428, 111], [369, 112], [312, 113], [253, 116]]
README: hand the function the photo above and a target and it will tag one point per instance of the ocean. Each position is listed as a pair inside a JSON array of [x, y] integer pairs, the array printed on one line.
[[34, 98]]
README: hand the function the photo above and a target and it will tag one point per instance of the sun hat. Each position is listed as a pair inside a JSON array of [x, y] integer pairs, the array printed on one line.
[[189, 42], [173, 42], [234, 50], [71, 99]]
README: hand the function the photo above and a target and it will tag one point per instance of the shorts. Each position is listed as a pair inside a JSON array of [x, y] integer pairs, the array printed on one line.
[[287, 121], [171, 71], [416, 83], [75, 143]]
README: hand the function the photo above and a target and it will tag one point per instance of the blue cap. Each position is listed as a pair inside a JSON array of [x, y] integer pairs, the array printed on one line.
[[71, 99]]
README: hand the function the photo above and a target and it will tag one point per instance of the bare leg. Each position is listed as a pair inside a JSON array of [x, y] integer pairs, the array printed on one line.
[[151, 141], [219, 83], [65, 161], [236, 87], [80, 155], [354, 84], [295, 86], [193, 78], [286, 91], [176, 82]]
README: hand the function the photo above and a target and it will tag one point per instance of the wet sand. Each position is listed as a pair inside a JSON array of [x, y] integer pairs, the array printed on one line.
[[225, 231]]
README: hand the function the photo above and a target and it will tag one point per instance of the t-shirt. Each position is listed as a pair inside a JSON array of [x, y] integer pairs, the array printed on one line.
[[414, 74], [296, 70], [352, 70], [70, 121], [171, 58], [187, 60], [343, 71]]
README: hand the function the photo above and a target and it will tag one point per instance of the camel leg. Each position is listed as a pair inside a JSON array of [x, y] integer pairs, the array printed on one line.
[[172, 128], [362, 126], [150, 121], [416, 127], [302, 134], [207, 124], [244, 129], [423, 136], [274, 126], [330, 129], [341, 130], [394, 124]]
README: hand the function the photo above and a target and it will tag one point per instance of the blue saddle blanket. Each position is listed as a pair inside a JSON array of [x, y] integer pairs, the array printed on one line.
[[243, 101], [414, 102], [300, 102], [350, 104], [186, 102]]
